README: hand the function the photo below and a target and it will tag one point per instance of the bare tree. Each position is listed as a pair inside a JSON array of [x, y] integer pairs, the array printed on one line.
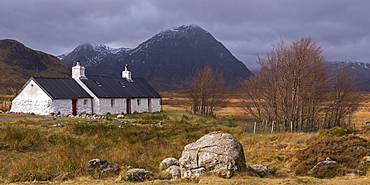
[[343, 98], [292, 88], [207, 90]]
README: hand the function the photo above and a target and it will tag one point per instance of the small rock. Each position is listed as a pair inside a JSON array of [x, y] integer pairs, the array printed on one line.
[[97, 167], [365, 159], [137, 175], [326, 161], [261, 170], [174, 171], [168, 162]]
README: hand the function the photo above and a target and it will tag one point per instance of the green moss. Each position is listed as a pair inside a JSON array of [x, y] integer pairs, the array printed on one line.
[[163, 175], [336, 132]]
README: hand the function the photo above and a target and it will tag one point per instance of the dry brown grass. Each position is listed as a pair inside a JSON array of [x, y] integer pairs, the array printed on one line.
[[178, 99], [276, 150]]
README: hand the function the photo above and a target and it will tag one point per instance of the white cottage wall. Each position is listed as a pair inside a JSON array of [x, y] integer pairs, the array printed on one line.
[[155, 104], [95, 101], [63, 106], [106, 106], [84, 106], [139, 105], [32, 99], [33, 91], [36, 106]]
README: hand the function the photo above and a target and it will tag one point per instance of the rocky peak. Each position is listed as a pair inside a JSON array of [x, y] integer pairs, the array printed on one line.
[[168, 60]]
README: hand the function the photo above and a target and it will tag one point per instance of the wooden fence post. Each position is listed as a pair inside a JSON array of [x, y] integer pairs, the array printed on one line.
[[272, 127], [254, 128]]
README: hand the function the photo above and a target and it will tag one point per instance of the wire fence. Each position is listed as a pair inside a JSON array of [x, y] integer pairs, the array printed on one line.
[[266, 127]]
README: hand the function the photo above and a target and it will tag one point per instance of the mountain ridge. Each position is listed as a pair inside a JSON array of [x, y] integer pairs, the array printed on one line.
[[361, 70], [167, 60], [19, 63]]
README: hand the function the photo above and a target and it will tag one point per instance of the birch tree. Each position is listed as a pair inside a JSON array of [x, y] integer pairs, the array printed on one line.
[[293, 90], [207, 91]]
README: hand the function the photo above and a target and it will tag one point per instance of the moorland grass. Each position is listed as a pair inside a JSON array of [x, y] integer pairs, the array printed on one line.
[[53, 148], [42, 150]]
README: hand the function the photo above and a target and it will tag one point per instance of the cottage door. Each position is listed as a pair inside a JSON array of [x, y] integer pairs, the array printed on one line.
[[128, 106], [74, 107], [149, 105]]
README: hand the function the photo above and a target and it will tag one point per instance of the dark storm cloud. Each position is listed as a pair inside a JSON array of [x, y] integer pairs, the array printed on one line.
[[245, 27]]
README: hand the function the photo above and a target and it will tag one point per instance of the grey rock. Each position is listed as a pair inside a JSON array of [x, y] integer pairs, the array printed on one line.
[[97, 167], [216, 152], [137, 175], [326, 161], [261, 170], [365, 159], [168, 162], [174, 171], [120, 116]]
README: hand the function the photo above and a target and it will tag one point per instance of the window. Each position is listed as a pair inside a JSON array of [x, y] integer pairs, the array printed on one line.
[[138, 101], [112, 102], [97, 83], [85, 102]]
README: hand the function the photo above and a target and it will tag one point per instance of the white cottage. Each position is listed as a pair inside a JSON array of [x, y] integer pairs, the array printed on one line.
[[91, 94]]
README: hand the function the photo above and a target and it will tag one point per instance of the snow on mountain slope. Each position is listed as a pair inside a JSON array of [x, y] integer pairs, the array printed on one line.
[[168, 60], [91, 54]]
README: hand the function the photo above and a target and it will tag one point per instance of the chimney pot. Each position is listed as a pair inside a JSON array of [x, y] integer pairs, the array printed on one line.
[[127, 74], [78, 71]]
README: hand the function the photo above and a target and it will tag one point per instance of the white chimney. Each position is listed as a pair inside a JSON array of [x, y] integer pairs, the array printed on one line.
[[127, 74], [78, 71]]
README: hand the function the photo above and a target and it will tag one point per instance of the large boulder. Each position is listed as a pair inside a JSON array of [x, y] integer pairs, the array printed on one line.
[[216, 152]]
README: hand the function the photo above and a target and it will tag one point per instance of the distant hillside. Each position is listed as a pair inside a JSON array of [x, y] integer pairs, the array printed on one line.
[[18, 63], [360, 69], [168, 60]]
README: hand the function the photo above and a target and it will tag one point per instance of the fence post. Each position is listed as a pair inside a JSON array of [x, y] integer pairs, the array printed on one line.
[[254, 128], [291, 126], [272, 127]]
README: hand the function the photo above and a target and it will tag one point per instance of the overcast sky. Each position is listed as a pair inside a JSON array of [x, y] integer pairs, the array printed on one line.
[[246, 27]]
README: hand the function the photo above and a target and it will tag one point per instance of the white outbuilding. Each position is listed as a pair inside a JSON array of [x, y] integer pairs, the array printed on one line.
[[87, 94]]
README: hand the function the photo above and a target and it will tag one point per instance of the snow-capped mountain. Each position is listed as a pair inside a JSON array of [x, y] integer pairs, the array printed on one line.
[[167, 60], [350, 64], [91, 54], [360, 69]]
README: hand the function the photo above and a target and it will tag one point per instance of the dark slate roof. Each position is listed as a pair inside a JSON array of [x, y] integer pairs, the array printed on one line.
[[117, 87], [61, 88]]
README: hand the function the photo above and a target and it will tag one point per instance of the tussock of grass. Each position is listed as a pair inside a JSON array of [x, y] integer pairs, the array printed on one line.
[[347, 151]]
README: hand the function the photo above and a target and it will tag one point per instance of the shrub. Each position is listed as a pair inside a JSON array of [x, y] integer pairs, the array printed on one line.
[[336, 132]]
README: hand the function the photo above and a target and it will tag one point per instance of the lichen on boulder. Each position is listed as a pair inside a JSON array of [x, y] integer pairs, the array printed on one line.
[[168, 162], [216, 152]]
